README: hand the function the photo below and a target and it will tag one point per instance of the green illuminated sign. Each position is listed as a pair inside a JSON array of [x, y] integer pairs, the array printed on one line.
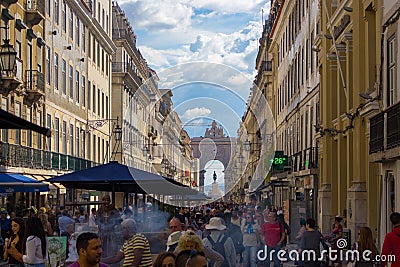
[[279, 161]]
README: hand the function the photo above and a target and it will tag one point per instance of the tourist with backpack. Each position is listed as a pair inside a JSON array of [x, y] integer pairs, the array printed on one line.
[[220, 242]]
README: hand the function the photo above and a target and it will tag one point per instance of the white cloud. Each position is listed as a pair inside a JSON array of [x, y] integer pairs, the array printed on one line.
[[195, 112], [161, 15], [228, 6]]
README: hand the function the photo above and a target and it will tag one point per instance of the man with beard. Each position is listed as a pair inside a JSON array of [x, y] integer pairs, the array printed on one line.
[[89, 250]]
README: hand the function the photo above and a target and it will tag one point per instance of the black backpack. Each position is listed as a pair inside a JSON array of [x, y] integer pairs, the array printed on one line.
[[219, 247]]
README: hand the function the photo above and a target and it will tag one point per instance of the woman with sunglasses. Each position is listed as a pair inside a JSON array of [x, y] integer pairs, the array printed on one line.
[[251, 240], [15, 246]]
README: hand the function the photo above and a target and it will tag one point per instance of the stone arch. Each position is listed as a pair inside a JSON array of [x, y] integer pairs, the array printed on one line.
[[213, 146]]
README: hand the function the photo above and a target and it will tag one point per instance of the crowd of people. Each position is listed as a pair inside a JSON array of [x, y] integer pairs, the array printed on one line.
[[226, 235]]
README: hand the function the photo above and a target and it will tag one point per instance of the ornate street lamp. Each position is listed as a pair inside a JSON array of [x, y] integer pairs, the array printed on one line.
[[7, 57], [117, 133]]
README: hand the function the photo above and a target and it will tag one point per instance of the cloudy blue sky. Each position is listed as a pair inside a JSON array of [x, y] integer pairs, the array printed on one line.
[[205, 51], [222, 32]]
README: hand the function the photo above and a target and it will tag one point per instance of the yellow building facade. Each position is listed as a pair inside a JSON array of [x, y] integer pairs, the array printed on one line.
[[349, 63]]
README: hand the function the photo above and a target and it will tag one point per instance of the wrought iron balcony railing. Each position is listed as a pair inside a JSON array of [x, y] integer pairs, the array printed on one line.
[[391, 119], [12, 155], [125, 67], [266, 66], [305, 160], [34, 86]]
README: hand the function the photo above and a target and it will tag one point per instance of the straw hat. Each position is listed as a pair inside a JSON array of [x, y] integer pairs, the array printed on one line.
[[174, 238], [216, 224]]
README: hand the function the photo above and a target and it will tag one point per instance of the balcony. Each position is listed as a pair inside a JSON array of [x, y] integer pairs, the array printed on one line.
[[34, 87], [265, 68], [305, 160], [34, 12], [12, 155], [393, 125], [124, 34], [376, 133], [391, 119], [125, 67]]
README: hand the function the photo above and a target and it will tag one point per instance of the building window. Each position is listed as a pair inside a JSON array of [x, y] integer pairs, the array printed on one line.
[[77, 142], [94, 99], [98, 55], [39, 136], [64, 137], [83, 154], [77, 85], [71, 82], [107, 65], [308, 48], [391, 59], [56, 11], [18, 131], [48, 125], [83, 38], [29, 132], [98, 101], [83, 93], [89, 45], [78, 31], [64, 76], [64, 16], [102, 60], [57, 135], [98, 149], [103, 105], [89, 147], [90, 105], [48, 6], [312, 52], [94, 50], [71, 139], [4, 132], [56, 71], [107, 115], [71, 24], [48, 65]]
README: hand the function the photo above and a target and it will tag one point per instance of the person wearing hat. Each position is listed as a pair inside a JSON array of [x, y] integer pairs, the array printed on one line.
[[220, 242], [173, 240], [175, 226]]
